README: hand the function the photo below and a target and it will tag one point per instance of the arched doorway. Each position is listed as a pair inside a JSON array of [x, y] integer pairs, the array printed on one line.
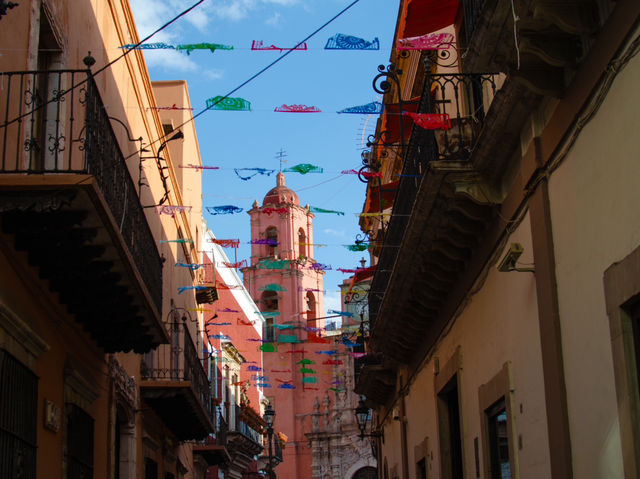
[[366, 473]]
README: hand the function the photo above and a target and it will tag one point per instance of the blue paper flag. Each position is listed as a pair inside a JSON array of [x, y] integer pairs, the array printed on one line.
[[348, 42], [186, 288], [348, 343], [341, 313], [223, 337], [191, 266], [223, 210], [372, 108], [257, 171]]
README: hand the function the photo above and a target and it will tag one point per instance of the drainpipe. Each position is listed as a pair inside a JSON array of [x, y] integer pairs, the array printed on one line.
[[403, 434]]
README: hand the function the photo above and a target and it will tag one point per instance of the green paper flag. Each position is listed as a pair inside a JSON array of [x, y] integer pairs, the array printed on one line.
[[310, 380], [307, 371], [273, 264], [288, 338], [305, 361], [202, 46], [313, 209], [304, 168], [268, 348], [358, 247], [272, 287], [228, 104]]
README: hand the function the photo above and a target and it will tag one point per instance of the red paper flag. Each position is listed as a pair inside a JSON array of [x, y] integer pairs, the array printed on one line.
[[312, 338]]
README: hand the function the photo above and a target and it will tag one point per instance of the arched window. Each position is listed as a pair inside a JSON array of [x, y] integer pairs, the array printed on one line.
[[311, 306], [272, 235], [269, 302], [302, 240]]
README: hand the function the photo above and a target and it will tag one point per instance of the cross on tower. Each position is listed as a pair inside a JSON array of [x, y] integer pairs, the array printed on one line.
[[280, 156]]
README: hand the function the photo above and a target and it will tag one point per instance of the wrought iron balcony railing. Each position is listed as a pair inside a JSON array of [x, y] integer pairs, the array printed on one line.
[[222, 428], [244, 428], [49, 127], [465, 98], [472, 13], [178, 361], [277, 451]]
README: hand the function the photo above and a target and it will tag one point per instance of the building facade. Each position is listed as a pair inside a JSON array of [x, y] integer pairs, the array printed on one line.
[[286, 283], [502, 311], [100, 341], [233, 328]]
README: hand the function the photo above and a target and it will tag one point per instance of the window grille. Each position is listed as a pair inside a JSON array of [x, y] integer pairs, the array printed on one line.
[[79, 443], [18, 415]]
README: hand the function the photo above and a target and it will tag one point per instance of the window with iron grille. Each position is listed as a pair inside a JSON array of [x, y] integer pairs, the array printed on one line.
[[150, 468], [18, 414], [79, 443]]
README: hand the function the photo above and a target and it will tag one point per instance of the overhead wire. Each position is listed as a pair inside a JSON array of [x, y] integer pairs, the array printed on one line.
[[255, 75]]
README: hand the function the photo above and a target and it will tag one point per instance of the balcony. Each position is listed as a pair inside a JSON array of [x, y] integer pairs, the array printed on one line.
[[467, 99], [68, 203], [550, 39], [444, 202], [214, 448], [175, 385], [244, 440]]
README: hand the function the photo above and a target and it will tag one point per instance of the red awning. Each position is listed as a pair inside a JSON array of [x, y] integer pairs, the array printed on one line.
[[380, 197], [427, 16], [394, 120]]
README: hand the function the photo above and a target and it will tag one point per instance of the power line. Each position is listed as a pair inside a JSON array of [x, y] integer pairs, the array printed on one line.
[[256, 75]]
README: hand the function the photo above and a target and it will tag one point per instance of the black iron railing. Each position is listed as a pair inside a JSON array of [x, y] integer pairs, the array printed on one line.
[[178, 361], [277, 450], [472, 13], [222, 428], [48, 127], [243, 428], [219, 438], [18, 418], [465, 98]]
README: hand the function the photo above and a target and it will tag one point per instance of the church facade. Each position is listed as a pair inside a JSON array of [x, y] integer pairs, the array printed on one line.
[[304, 366]]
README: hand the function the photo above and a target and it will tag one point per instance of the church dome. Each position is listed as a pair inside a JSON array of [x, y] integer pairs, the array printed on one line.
[[281, 195]]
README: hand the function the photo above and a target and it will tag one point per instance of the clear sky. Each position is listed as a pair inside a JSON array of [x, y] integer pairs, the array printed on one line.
[[329, 80]]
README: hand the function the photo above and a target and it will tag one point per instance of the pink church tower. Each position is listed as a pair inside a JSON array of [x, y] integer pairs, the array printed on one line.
[[287, 285]]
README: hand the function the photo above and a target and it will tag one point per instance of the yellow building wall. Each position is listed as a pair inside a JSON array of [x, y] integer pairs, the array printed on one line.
[[596, 221], [498, 324], [127, 94]]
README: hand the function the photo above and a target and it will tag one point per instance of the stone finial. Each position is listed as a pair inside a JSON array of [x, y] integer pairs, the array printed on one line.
[[280, 179]]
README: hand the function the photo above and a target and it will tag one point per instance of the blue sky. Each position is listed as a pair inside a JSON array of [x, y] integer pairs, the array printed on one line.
[[329, 80]]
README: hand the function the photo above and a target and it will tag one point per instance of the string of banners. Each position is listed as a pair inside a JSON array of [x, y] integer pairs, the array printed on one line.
[[427, 121], [339, 41]]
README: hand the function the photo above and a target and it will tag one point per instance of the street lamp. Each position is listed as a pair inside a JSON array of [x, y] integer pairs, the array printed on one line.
[[362, 418], [269, 416]]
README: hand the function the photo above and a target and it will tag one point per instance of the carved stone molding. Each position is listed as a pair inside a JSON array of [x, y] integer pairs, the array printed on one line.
[[19, 339], [125, 387]]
